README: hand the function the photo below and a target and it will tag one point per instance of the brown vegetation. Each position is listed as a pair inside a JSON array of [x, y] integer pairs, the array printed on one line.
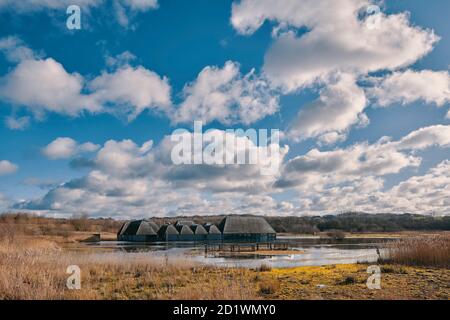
[[264, 267], [35, 252], [36, 269], [430, 251], [269, 286], [336, 234], [18, 224]]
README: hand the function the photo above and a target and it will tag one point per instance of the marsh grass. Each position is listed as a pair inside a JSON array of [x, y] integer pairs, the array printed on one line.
[[264, 267], [428, 251], [36, 269], [269, 286]]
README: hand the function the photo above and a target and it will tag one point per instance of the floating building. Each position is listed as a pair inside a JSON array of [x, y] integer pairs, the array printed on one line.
[[167, 233], [231, 228], [139, 230], [243, 228]]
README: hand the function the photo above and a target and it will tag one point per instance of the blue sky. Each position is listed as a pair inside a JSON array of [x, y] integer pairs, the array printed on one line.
[[175, 41]]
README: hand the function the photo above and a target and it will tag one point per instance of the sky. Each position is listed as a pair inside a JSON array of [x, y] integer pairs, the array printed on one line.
[[358, 89]]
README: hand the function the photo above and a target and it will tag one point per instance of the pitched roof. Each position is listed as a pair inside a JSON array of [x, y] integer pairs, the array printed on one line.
[[138, 227], [123, 227], [167, 229], [211, 228], [198, 229], [183, 229], [239, 224]]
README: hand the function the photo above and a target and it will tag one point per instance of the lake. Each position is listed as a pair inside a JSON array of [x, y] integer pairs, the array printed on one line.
[[303, 252]]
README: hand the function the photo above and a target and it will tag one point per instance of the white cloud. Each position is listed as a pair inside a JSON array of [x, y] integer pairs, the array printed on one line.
[[15, 49], [43, 85], [38, 5], [142, 5], [120, 60], [64, 148], [131, 90], [409, 86], [339, 107], [124, 10], [331, 138], [7, 167], [225, 95], [17, 123], [429, 193], [317, 169], [336, 41], [128, 179], [438, 135]]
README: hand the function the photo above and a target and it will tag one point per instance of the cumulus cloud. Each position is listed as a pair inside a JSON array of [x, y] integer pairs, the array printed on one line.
[[225, 95], [438, 135], [64, 148], [337, 40], [318, 168], [7, 167], [129, 179], [132, 90], [425, 194], [339, 107], [429, 193], [44, 85], [410, 86]]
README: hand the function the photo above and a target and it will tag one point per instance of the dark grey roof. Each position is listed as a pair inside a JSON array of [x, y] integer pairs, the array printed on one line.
[[167, 229], [239, 224], [138, 227], [123, 227], [182, 229], [198, 229], [152, 224], [211, 228]]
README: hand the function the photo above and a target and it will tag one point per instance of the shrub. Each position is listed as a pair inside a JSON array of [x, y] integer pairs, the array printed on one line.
[[269, 286], [264, 267], [348, 280]]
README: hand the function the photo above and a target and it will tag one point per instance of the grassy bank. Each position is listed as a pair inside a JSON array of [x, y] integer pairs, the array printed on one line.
[[35, 269]]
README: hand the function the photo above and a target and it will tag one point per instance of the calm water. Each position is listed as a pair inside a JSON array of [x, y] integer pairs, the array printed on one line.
[[311, 252]]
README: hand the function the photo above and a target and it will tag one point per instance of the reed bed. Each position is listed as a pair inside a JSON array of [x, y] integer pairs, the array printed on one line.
[[36, 270], [428, 251]]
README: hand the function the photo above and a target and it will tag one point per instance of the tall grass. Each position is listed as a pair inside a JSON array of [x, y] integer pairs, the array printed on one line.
[[36, 269], [430, 251]]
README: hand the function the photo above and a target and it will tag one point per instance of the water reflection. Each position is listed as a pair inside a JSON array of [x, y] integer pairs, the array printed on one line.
[[302, 252]]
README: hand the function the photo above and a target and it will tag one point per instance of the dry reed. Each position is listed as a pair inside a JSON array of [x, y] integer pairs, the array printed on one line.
[[429, 251]]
